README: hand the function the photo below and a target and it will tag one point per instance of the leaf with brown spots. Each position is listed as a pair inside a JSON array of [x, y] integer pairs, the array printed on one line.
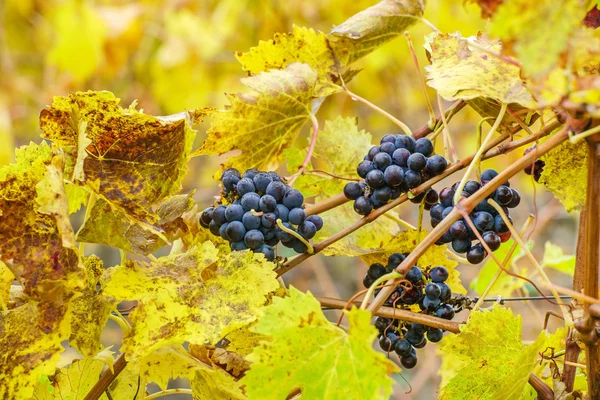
[[194, 296], [308, 352], [36, 239], [130, 159], [230, 361], [266, 122], [110, 226], [72, 382]]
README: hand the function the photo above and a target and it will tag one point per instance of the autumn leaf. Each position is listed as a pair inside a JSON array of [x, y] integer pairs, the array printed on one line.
[[28, 351], [555, 258], [130, 159], [90, 311], [263, 124], [565, 174], [182, 297], [72, 382], [405, 242], [303, 45], [6, 280], [366, 31], [110, 226], [243, 340], [340, 147], [219, 357], [36, 239], [307, 352], [460, 70], [494, 362], [523, 25]]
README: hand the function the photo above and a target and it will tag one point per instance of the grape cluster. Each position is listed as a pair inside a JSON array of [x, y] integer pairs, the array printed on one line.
[[256, 201], [485, 218], [536, 168], [398, 164], [425, 288]]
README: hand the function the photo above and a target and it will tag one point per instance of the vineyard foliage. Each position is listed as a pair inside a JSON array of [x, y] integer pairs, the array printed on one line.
[[232, 323]]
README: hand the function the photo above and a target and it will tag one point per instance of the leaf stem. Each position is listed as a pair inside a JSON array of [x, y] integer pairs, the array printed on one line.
[[169, 392], [479, 153], [450, 112], [448, 146], [107, 378], [311, 149], [320, 171], [413, 53], [579, 137], [391, 275], [507, 258], [309, 247]]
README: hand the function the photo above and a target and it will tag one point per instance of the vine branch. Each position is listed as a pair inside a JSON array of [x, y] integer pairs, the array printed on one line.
[[107, 378]]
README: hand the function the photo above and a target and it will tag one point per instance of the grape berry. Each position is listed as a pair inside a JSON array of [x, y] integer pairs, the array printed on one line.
[[426, 288], [486, 219], [398, 164], [536, 168], [256, 200]]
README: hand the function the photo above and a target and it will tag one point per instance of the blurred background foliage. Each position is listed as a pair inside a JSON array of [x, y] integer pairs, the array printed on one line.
[[179, 54]]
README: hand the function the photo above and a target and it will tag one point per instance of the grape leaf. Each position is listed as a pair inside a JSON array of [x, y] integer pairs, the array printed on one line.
[[565, 174], [363, 241], [36, 240], [505, 284], [28, 351], [76, 197], [495, 361], [129, 384], [460, 71], [310, 353], [193, 234], [524, 26], [231, 362], [405, 242], [263, 124], [555, 258], [90, 312], [366, 31], [193, 296], [72, 382], [6, 280], [303, 45], [490, 108], [132, 160], [243, 340], [173, 362], [340, 147], [110, 226]]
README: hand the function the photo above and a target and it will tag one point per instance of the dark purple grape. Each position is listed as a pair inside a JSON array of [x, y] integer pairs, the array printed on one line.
[[218, 215], [268, 220], [393, 176], [254, 239], [412, 179], [446, 311], [267, 203], [223, 231], [387, 147], [503, 195], [382, 194], [416, 162], [364, 167], [476, 254], [250, 221], [363, 206], [431, 197], [400, 157], [405, 142], [499, 225], [235, 231], [296, 216], [516, 199], [277, 190], [488, 175], [282, 212], [234, 212], [214, 228], [381, 161], [376, 271], [424, 146], [389, 138], [283, 235], [471, 187], [446, 238], [436, 164], [250, 201], [447, 197], [307, 230], [229, 181], [250, 174], [245, 185], [238, 246], [267, 251], [261, 181], [382, 323], [492, 240], [353, 191], [386, 344], [206, 217], [293, 199], [447, 211], [372, 152], [408, 362], [435, 335], [436, 211], [394, 260], [446, 292], [375, 179], [403, 348], [438, 274], [316, 220], [461, 245], [414, 275], [431, 304], [483, 221], [459, 230]]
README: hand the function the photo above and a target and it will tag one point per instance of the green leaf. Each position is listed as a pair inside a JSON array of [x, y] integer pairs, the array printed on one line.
[[565, 174], [110, 226], [405, 242], [36, 239], [340, 147], [555, 258], [366, 31], [505, 284], [524, 25], [263, 124], [494, 362], [193, 296], [460, 71], [90, 311], [307, 352], [72, 382], [131, 160], [29, 351]]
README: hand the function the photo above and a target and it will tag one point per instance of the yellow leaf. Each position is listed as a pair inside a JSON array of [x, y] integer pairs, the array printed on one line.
[[193, 296], [28, 350], [460, 71], [366, 31], [524, 25], [36, 238], [340, 147], [72, 382], [76, 196], [263, 124], [243, 340], [79, 37], [90, 312], [110, 226], [405, 242], [310, 353], [303, 45], [133, 160], [6, 280], [565, 174], [129, 384]]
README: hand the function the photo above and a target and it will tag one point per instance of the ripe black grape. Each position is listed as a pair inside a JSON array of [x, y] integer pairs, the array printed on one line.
[[353, 190], [363, 205], [255, 201]]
